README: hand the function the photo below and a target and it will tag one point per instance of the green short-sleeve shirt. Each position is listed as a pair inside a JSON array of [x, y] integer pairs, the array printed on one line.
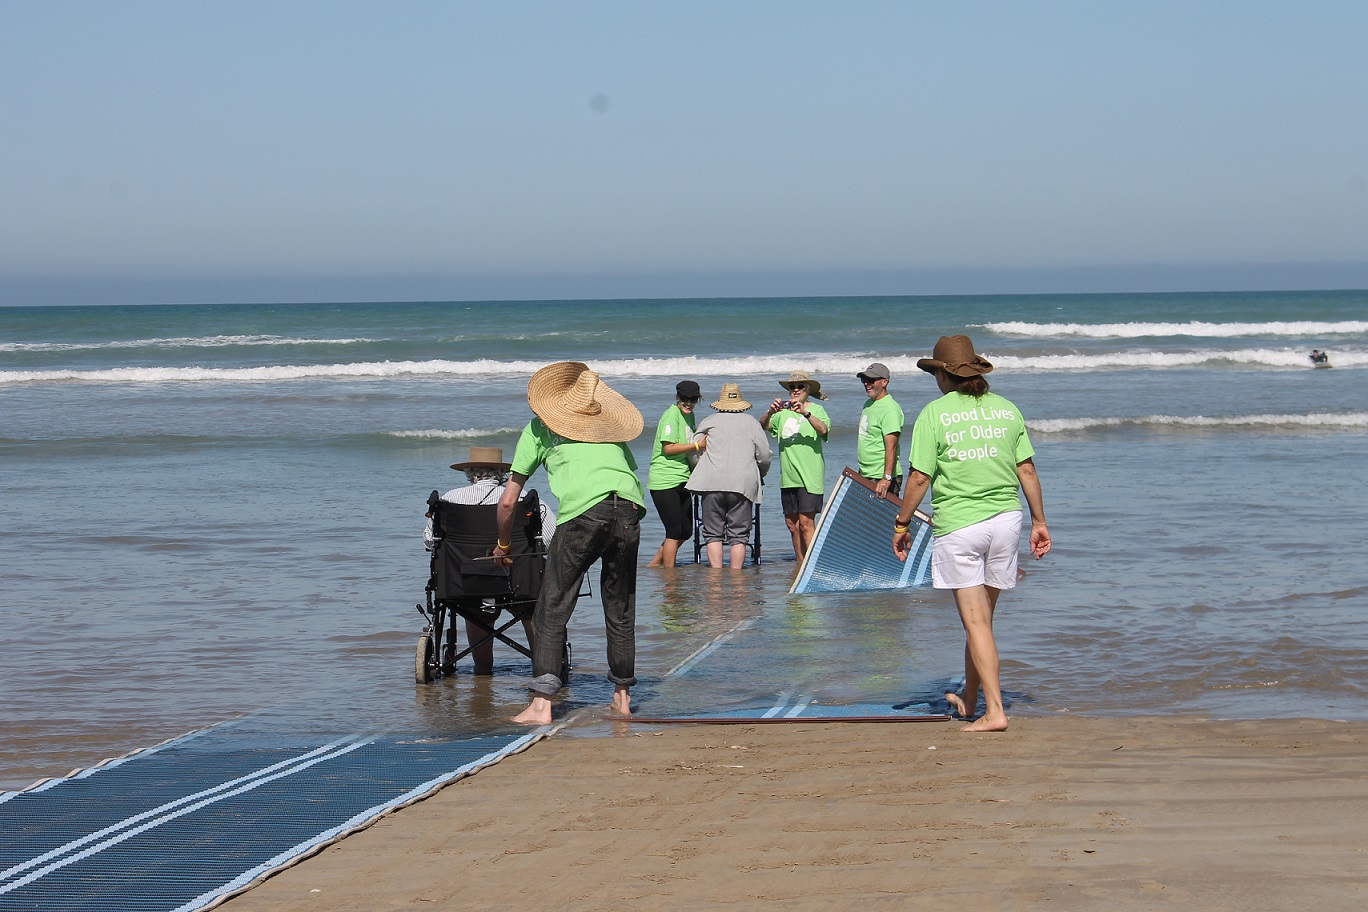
[[879, 418], [670, 471], [801, 462], [581, 474], [970, 447]]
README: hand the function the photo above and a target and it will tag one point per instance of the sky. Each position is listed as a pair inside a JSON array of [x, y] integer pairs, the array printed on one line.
[[154, 151]]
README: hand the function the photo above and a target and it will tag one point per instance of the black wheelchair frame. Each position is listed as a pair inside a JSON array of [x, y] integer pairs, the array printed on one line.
[[753, 545], [465, 582]]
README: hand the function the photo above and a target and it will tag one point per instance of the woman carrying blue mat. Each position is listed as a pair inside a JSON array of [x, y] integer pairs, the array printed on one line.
[[971, 447]]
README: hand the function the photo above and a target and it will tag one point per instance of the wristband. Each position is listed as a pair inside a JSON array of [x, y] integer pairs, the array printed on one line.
[[695, 444], [899, 530], [499, 544]]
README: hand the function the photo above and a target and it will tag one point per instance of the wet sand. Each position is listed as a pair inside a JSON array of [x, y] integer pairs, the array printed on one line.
[[1061, 813]]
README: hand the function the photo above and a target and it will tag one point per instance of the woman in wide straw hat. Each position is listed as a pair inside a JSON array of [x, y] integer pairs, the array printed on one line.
[[970, 446], [580, 434], [801, 426], [734, 459]]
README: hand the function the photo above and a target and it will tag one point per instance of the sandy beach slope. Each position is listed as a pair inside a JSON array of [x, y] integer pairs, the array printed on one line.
[[1059, 813]]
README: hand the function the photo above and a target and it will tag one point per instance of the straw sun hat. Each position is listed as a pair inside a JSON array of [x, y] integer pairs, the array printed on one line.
[[814, 386], [730, 400], [573, 402], [483, 458], [955, 355]]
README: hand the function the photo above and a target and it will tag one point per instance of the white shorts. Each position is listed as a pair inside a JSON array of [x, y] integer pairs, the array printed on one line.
[[984, 554]]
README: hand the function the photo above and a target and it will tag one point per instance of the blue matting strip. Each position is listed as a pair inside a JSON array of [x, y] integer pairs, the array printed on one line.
[[181, 826], [129, 840], [851, 549]]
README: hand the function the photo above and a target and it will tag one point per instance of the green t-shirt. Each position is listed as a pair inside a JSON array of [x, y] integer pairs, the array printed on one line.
[[800, 449], [970, 447], [670, 471], [581, 474], [880, 417]]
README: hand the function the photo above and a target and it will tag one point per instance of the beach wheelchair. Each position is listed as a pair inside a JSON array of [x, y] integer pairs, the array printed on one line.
[[465, 582]]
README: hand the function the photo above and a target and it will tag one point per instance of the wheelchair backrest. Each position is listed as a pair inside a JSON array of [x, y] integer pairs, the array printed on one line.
[[465, 534]]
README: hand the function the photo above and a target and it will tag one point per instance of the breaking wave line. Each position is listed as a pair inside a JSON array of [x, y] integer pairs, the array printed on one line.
[[1297, 329], [1316, 420]]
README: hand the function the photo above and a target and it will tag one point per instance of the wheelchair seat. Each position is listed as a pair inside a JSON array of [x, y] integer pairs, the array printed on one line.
[[465, 582]]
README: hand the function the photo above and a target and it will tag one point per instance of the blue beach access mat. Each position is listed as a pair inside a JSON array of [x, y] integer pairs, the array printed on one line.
[[789, 708], [196, 819], [186, 824], [852, 546]]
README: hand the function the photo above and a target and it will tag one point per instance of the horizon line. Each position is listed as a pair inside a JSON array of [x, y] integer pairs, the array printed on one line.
[[42, 290]]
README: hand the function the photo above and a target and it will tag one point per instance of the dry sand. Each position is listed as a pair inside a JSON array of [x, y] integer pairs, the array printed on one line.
[[1059, 813]]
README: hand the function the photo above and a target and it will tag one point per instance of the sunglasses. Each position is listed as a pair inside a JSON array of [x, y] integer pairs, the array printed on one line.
[[689, 400], [797, 387]]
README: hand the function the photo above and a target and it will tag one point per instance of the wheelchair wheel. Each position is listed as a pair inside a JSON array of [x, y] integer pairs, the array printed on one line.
[[423, 660]]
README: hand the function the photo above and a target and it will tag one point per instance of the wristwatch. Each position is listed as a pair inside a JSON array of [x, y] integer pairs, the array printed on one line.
[[888, 478]]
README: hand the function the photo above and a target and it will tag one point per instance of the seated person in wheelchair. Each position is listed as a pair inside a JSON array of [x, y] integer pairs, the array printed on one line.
[[487, 474]]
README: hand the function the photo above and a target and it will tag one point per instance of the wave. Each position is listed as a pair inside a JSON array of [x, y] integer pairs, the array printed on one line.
[[1158, 360], [1318, 420], [181, 442], [1297, 329], [741, 366], [463, 434], [186, 342]]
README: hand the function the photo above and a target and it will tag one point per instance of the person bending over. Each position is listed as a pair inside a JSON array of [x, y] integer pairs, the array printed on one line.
[[580, 435]]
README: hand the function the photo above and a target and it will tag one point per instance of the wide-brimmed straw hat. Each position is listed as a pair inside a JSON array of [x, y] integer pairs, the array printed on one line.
[[483, 458], [814, 386], [573, 402], [955, 355], [730, 400]]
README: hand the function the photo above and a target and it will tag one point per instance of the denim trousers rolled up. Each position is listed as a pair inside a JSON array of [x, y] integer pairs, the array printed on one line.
[[609, 531]]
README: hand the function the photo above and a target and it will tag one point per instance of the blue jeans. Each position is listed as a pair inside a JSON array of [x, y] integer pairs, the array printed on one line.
[[611, 531]]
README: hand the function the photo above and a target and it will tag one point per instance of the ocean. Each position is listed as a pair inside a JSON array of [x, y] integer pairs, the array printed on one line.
[[213, 513]]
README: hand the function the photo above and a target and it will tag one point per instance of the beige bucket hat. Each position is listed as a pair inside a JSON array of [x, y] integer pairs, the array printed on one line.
[[814, 386]]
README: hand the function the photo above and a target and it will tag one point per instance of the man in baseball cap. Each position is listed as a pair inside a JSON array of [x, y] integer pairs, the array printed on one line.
[[881, 424]]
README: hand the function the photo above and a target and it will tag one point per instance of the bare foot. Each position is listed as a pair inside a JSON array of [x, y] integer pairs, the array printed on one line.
[[538, 712], [997, 723], [622, 701], [957, 706]]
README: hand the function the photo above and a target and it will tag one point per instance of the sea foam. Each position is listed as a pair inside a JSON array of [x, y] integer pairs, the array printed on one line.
[[1298, 329], [182, 342], [835, 366], [1317, 420], [460, 434]]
